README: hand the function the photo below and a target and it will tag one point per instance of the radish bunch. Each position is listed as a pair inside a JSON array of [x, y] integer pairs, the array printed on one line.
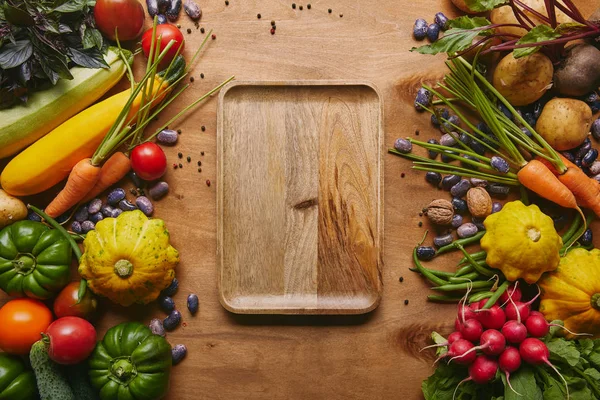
[[499, 337]]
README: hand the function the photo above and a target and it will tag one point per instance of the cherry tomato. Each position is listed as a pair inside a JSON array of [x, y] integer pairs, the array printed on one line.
[[72, 340], [22, 322], [148, 161], [66, 305], [124, 16], [167, 33]]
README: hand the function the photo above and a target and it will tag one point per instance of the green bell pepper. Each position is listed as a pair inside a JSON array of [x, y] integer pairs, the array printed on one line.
[[35, 260], [16, 381], [131, 363]]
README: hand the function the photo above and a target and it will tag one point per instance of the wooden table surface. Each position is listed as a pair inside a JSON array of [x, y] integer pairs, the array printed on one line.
[[374, 356]]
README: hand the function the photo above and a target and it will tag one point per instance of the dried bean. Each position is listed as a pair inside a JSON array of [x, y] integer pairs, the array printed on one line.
[[173, 10], [441, 20], [126, 205], [568, 155], [172, 321], [587, 237], [403, 145], [76, 227], [432, 153], [81, 214], [97, 217], [423, 99], [433, 177], [94, 206], [443, 240], [589, 158], [457, 220], [167, 136], [33, 216], [159, 190], [476, 182], [106, 210], [135, 179], [496, 206], [166, 303], [192, 303], [115, 196], [469, 165], [443, 114], [172, 288], [152, 6], [596, 129], [157, 327], [433, 32], [145, 205], [499, 164], [425, 253], [466, 230], [583, 148], [450, 180], [116, 212], [192, 9], [64, 217], [87, 226], [448, 126], [461, 188], [460, 205], [420, 29], [446, 158], [161, 19], [178, 353], [448, 140], [498, 189], [478, 222], [595, 168]]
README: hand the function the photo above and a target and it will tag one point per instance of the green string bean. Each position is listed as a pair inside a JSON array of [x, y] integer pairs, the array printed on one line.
[[472, 276], [464, 286], [492, 300], [460, 242], [426, 273]]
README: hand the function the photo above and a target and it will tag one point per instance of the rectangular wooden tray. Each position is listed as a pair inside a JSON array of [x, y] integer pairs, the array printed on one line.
[[300, 197]]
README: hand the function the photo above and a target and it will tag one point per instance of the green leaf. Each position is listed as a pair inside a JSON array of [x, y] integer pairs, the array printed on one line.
[[586, 347], [523, 381], [540, 33], [88, 59], [484, 5], [466, 22], [593, 373], [569, 27], [16, 16], [454, 40], [564, 351], [14, 54], [443, 382], [71, 6], [439, 339]]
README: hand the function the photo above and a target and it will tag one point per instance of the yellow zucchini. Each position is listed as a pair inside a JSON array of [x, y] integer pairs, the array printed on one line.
[[22, 125], [50, 160]]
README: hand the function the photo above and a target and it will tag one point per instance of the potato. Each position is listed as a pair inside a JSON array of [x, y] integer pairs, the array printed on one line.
[[462, 6], [505, 15], [564, 123], [523, 80], [579, 72], [11, 209]]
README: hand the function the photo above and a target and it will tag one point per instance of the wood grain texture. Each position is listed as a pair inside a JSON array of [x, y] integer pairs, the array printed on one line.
[[299, 201], [247, 357]]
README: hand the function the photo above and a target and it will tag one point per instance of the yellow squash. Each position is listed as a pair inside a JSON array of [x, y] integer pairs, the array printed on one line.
[[572, 292], [521, 241], [50, 160], [128, 259]]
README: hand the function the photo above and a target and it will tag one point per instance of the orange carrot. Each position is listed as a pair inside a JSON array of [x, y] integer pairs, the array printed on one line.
[[537, 177], [113, 170], [81, 180]]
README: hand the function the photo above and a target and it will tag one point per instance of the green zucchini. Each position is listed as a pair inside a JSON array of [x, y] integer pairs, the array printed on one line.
[[51, 383], [23, 124]]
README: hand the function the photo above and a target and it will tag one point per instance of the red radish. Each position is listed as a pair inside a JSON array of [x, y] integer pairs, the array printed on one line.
[[518, 310], [492, 318], [453, 337], [510, 361], [537, 326], [479, 305], [514, 331], [461, 353], [534, 351], [457, 324], [482, 371], [465, 312], [513, 291], [471, 330], [492, 342]]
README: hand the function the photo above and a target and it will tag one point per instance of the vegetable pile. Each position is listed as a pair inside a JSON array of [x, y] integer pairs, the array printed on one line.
[[127, 256], [533, 93]]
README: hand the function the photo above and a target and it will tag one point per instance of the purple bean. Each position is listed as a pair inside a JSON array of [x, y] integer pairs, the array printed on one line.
[[126, 205], [403, 145], [467, 230], [172, 288], [192, 9], [461, 188], [172, 321], [81, 214], [167, 137], [106, 210], [87, 226], [166, 303], [115, 196], [76, 227], [178, 353], [97, 217], [94, 206], [159, 190], [116, 212], [192, 303], [157, 327], [145, 205], [457, 220]]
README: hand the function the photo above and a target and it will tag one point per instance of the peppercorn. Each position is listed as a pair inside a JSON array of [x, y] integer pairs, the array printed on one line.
[[341, 15], [401, 279], [202, 30], [402, 175], [189, 159], [300, 8], [330, 11], [180, 165], [202, 128], [199, 163], [226, 2], [272, 31], [180, 155], [189, 30], [258, 16], [308, 6], [213, 36], [191, 79], [201, 153], [208, 182], [202, 75], [406, 302], [420, 224], [294, 6], [174, 166]]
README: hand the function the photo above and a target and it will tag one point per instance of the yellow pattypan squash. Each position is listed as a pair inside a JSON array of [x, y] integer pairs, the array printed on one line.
[[521, 241], [128, 259], [572, 292]]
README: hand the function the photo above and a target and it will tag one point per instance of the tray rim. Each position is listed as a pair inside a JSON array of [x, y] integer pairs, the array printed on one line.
[[219, 220]]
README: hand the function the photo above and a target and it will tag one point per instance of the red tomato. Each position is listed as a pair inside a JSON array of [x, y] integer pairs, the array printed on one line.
[[22, 322], [167, 33], [72, 340], [124, 16], [66, 305], [148, 161]]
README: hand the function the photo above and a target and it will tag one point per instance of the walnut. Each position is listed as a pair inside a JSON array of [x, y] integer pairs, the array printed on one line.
[[479, 202], [440, 212]]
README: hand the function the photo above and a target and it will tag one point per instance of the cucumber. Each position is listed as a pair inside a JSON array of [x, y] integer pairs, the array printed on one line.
[[51, 383], [79, 381], [23, 124]]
